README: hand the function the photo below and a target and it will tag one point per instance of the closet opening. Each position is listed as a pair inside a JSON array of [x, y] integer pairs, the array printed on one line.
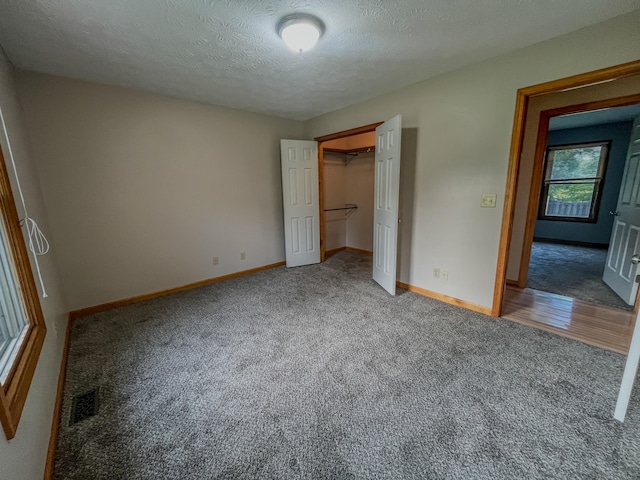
[[346, 168]]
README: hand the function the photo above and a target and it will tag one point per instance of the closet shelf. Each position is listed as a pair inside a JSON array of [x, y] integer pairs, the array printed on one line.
[[348, 155]]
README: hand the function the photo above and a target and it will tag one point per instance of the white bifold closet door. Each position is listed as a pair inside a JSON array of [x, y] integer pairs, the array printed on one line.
[[386, 198], [301, 201]]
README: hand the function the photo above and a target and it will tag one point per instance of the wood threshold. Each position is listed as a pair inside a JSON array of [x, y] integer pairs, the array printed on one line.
[[597, 325], [445, 298], [149, 296], [57, 411]]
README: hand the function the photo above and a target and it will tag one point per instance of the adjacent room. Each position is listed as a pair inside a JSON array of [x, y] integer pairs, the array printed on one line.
[[571, 267], [584, 167], [262, 240]]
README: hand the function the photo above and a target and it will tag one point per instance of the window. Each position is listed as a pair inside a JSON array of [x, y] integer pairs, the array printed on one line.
[[13, 322], [572, 185], [22, 328]]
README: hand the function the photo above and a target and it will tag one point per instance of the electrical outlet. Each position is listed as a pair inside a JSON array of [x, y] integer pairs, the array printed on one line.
[[216, 260], [444, 274], [242, 256], [436, 273]]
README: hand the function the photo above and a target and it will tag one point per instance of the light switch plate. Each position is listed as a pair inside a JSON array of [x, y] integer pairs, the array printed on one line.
[[489, 200]]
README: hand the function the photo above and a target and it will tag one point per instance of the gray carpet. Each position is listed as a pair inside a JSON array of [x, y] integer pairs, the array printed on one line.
[[315, 372], [572, 271]]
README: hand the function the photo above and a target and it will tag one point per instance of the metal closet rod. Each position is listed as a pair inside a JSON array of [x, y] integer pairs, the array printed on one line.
[[352, 153], [357, 152], [349, 206]]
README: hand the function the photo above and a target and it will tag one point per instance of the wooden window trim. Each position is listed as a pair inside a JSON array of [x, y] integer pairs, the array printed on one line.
[[13, 393], [598, 182]]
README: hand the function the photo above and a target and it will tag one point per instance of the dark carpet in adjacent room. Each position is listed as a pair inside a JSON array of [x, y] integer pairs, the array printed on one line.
[[572, 271], [316, 372]]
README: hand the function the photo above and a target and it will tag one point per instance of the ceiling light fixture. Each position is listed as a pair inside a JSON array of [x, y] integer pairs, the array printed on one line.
[[300, 31]]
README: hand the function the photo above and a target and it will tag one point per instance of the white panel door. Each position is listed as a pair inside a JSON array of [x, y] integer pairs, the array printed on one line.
[[300, 200], [622, 267], [387, 192]]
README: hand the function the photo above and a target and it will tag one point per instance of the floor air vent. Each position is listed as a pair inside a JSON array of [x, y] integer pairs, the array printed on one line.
[[84, 406]]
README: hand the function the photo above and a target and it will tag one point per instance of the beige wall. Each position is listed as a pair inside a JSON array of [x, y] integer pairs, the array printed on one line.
[[343, 184], [144, 190], [619, 88], [23, 457], [460, 124], [359, 184], [334, 178]]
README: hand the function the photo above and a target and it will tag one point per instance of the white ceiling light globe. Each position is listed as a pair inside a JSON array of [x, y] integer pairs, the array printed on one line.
[[300, 32], [301, 36]]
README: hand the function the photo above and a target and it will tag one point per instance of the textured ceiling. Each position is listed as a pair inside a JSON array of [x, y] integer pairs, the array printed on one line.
[[227, 52]]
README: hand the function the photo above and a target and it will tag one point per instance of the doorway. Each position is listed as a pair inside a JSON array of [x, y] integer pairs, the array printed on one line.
[[386, 201], [536, 106], [304, 199], [336, 208], [348, 179], [582, 175]]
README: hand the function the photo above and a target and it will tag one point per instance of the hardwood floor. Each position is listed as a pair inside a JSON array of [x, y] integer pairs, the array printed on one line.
[[597, 325]]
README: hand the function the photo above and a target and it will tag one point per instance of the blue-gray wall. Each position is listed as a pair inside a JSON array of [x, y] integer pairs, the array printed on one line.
[[618, 134]]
